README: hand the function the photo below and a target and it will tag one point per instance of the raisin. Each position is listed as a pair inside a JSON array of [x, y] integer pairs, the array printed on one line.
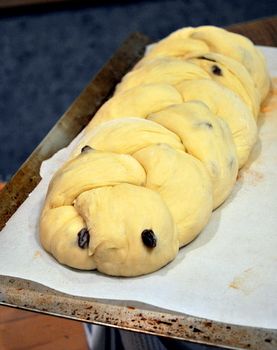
[[216, 70], [149, 239], [86, 148], [83, 238]]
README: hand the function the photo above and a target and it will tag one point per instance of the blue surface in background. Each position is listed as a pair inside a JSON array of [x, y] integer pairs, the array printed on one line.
[[47, 57]]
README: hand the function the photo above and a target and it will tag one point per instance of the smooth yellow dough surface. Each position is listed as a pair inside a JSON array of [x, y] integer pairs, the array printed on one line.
[[128, 135], [206, 138], [233, 75], [176, 46], [240, 49], [225, 104], [137, 102], [90, 170], [116, 217], [164, 70], [184, 184], [215, 40], [58, 234]]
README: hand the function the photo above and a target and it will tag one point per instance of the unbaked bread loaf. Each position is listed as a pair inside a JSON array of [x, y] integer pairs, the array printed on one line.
[[159, 156]]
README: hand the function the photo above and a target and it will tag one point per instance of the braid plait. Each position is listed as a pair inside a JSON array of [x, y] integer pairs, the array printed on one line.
[[159, 156]]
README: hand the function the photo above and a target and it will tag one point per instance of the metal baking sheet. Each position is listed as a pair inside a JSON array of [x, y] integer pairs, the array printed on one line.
[[127, 315]]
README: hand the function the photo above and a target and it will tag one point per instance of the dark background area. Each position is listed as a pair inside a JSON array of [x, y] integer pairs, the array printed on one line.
[[48, 53]]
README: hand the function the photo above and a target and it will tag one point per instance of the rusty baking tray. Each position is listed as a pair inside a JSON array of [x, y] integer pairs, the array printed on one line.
[[127, 315]]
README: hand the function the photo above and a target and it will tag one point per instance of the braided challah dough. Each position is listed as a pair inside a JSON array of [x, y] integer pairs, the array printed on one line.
[[159, 156]]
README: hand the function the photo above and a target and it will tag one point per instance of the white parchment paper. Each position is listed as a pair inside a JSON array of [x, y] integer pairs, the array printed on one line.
[[228, 274]]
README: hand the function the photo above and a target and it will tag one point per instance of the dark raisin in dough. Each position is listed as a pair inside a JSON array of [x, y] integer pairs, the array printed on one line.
[[86, 148], [83, 238], [149, 239], [216, 70]]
